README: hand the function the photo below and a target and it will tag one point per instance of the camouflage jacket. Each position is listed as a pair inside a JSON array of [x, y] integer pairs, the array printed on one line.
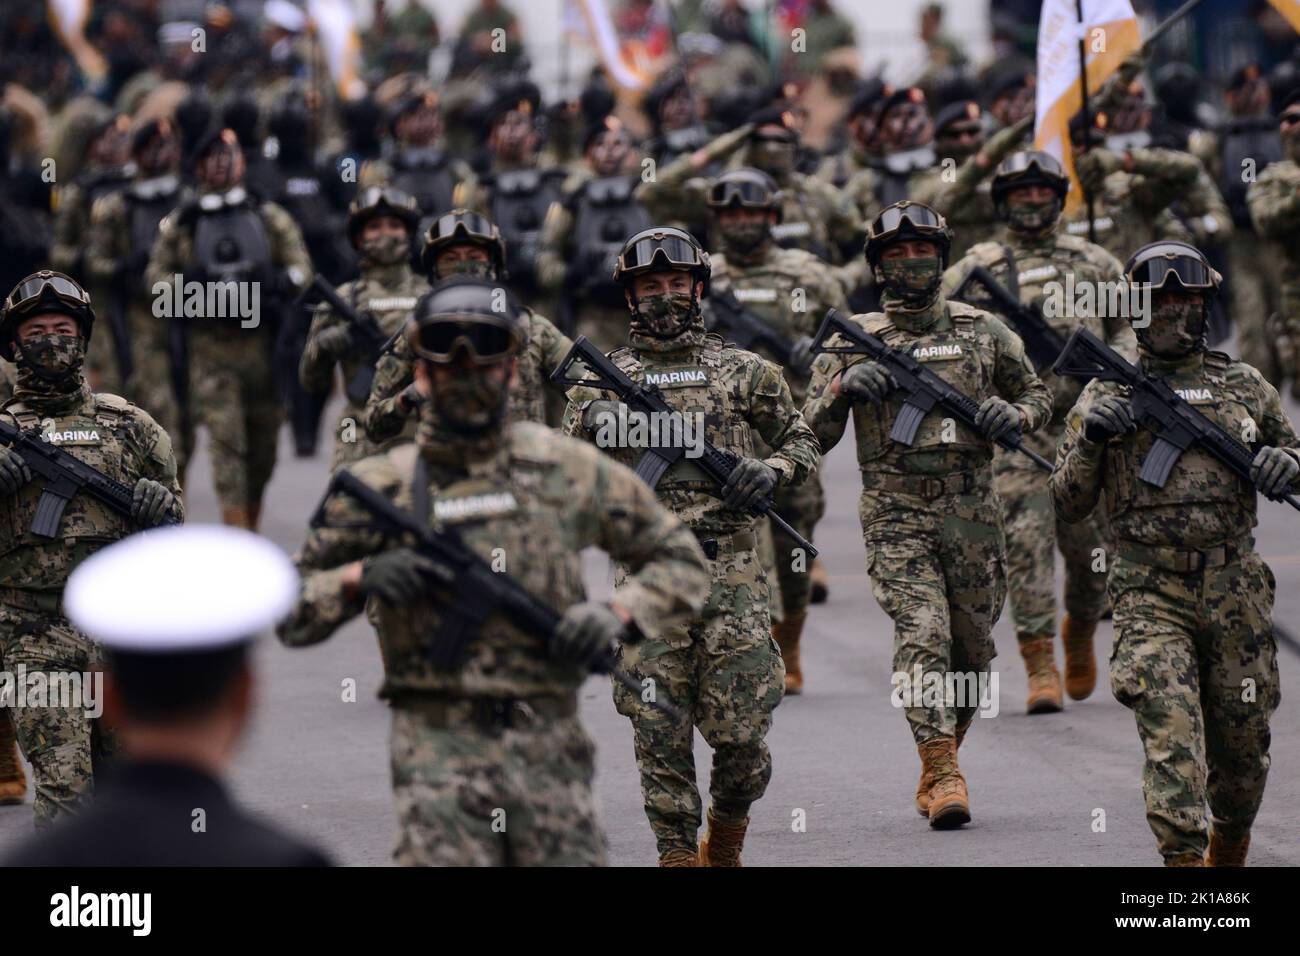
[[104, 431], [739, 395], [547, 346], [1274, 201], [1041, 267], [528, 508], [1203, 504], [971, 350]]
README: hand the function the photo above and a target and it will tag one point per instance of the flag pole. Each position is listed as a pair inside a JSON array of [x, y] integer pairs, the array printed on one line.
[[1087, 118]]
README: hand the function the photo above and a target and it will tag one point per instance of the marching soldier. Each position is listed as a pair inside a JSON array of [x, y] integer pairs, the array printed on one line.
[[1029, 191], [496, 740], [723, 670], [45, 326], [930, 517], [381, 225], [1192, 599]]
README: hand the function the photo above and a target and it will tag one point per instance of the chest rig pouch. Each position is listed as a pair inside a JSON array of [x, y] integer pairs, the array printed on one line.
[[145, 215], [520, 199], [231, 245], [425, 174], [605, 214]]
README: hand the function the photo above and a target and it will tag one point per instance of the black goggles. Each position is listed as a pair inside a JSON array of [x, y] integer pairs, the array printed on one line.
[[485, 342], [47, 285], [469, 225], [673, 250], [920, 218], [1191, 273], [741, 192]]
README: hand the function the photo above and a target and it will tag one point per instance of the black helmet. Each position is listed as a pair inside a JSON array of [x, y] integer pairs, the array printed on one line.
[[748, 187], [381, 201], [661, 247], [1029, 167], [463, 225], [1157, 263], [907, 220], [465, 312], [44, 291]]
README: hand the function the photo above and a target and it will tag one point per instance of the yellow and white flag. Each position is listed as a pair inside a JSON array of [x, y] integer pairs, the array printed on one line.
[[335, 23], [1110, 32], [68, 17], [1290, 9], [619, 59]]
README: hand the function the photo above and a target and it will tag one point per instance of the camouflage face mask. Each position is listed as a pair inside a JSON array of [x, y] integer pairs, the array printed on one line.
[[774, 156], [55, 358], [1177, 329], [745, 236], [386, 250], [664, 316], [467, 267], [913, 280], [1025, 216], [473, 401]]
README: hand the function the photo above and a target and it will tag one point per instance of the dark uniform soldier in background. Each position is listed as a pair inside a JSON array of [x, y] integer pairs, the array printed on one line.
[[108, 169], [222, 234], [788, 290], [179, 693], [1029, 191], [931, 519], [461, 242], [46, 323], [723, 670], [381, 226], [490, 763], [1194, 655]]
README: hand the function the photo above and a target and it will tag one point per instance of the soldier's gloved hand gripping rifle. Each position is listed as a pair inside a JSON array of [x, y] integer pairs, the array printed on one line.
[[474, 590], [1176, 424], [924, 389], [648, 399]]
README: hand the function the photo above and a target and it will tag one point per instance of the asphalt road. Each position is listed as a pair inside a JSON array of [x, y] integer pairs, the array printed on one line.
[[844, 762]]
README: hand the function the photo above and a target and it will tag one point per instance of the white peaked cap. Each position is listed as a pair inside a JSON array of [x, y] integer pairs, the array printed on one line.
[[179, 589]]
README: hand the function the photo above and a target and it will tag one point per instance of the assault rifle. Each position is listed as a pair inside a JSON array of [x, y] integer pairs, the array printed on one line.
[[716, 463], [1176, 424], [1042, 342], [924, 389], [476, 591], [744, 328], [64, 476], [368, 337]]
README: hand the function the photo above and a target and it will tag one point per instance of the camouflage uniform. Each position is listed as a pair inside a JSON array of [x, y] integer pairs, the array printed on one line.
[[766, 283], [1033, 531], [455, 772], [232, 388], [547, 346], [723, 669], [63, 745], [931, 519], [388, 294], [1274, 201], [1187, 641]]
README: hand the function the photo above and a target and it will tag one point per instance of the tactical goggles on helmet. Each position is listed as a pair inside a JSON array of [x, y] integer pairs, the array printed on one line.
[[749, 193], [46, 286], [1022, 162], [1190, 272], [920, 218], [668, 249], [484, 340], [373, 196], [465, 225]]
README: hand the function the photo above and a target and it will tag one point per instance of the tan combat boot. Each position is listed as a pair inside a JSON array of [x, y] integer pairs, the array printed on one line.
[[787, 634], [236, 517], [1044, 678], [1080, 665], [821, 585], [679, 857], [927, 774], [949, 803], [13, 782], [1185, 859], [722, 842], [1224, 852]]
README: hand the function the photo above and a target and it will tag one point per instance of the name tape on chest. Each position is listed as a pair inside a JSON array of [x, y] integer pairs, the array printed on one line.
[[475, 506], [1081, 228], [677, 378], [755, 295], [389, 303], [55, 435], [1039, 273], [1195, 396], [788, 230], [936, 353]]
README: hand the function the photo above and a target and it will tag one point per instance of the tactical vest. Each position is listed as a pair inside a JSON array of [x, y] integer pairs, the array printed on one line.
[[1248, 143], [231, 245], [428, 176], [144, 213], [95, 435], [799, 227], [520, 199], [954, 355], [605, 216]]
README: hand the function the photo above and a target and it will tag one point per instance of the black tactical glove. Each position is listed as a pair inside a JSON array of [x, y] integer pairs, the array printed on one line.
[[410, 398], [151, 502], [400, 576], [585, 633], [997, 418], [750, 482], [599, 411], [335, 340], [802, 355], [1273, 470], [867, 382], [14, 472], [1109, 416], [1094, 166]]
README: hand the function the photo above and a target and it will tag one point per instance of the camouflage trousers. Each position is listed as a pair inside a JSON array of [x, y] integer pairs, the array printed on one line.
[[725, 674], [1196, 662], [1034, 534], [1254, 302], [802, 506], [938, 569], [233, 394], [64, 746], [150, 387], [519, 796]]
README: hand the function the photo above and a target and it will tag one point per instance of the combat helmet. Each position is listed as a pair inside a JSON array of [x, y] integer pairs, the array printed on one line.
[[44, 291]]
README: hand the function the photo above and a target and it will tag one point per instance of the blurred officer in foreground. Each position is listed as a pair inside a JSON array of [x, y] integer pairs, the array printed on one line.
[[179, 692]]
